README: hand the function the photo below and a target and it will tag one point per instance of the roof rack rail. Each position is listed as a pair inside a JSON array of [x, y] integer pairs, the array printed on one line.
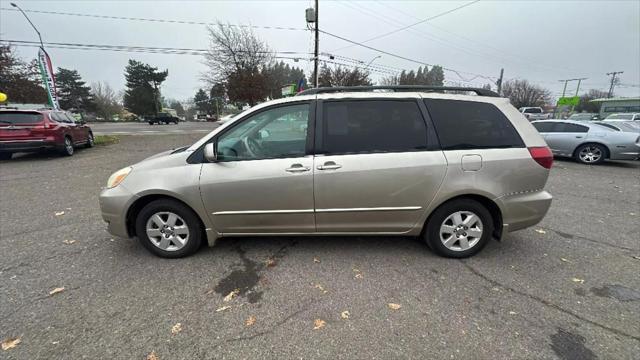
[[398, 88]]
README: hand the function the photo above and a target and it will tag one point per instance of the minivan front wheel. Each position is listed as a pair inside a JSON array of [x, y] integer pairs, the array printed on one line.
[[169, 229], [67, 147], [459, 228]]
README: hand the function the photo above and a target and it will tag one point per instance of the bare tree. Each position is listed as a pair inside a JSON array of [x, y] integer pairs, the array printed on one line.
[[339, 76], [522, 93], [107, 101], [585, 104], [237, 58]]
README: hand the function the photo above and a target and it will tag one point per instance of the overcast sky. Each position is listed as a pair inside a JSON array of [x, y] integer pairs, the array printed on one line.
[[541, 41]]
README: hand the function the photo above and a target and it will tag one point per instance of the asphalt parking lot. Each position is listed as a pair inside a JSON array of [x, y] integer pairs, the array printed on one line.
[[142, 128], [567, 288]]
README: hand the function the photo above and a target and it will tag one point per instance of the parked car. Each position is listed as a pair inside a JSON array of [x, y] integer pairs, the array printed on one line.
[[163, 118], [584, 117], [588, 143], [628, 126], [623, 117], [343, 161], [33, 130], [534, 113], [226, 118]]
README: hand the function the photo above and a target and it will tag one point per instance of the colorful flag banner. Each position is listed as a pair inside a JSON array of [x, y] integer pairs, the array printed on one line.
[[46, 70]]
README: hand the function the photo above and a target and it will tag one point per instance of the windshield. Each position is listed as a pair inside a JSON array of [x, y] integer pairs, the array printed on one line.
[[620, 117], [533, 111], [20, 117], [580, 117]]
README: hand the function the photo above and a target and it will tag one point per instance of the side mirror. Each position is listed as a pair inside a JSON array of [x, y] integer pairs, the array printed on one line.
[[210, 152]]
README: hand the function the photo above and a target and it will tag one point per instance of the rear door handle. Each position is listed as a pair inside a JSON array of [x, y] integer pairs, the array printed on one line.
[[297, 168], [329, 165], [578, 137]]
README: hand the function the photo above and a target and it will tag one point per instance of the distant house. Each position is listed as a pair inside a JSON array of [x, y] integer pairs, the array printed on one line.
[[610, 106]]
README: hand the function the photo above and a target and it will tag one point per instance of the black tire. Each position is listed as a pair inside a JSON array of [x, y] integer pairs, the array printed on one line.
[[590, 154], [438, 217], [67, 148], [190, 219], [5, 156], [90, 141]]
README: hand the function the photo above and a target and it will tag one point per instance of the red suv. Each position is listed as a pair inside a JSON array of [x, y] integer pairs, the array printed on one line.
[[33, 130]]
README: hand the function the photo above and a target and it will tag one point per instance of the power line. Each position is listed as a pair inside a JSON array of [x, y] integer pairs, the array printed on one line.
[[421, 21], [187, 22], [151, 48], [457, 72]]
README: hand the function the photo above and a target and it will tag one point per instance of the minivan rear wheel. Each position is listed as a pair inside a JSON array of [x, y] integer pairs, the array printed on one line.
[[168, 229], [67, 146], [459, 228]]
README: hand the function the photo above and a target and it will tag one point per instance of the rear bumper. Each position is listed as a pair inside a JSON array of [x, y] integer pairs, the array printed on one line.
[[523, 210], [26, 145]]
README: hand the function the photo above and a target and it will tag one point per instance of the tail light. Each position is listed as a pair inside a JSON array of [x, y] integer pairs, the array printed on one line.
[[542, 155]]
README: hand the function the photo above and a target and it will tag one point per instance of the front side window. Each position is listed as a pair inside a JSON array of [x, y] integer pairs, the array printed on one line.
[[533, 111], [367, 126], [471, 125], [273, 133]]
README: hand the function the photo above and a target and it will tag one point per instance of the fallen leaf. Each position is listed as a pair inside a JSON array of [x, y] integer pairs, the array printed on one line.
[[10, 343], [632, 214], [176, 328], [152, 356], [512, 313], [209, 292], [59, 213], [68, 242], [345, 314], [636, 257], [316, 260], [231, 295], [56, 290], [55, 342], [358, 276], [393, 306], [250, 321], [223, 308], [318, 324], [270, 262], [540, 231], [319, 287], [581, 281], [563, 259]]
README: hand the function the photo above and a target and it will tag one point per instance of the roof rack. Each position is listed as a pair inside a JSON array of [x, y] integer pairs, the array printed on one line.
[[398, 88]]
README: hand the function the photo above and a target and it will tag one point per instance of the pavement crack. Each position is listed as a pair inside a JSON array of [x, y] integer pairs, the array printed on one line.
[[547, 303], [273, 327], [574, 236]]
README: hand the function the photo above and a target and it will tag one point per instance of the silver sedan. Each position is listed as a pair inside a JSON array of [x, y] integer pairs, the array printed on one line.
[[588, 143]]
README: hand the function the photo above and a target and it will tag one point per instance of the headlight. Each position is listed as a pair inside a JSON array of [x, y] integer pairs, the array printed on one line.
[[116, 178]]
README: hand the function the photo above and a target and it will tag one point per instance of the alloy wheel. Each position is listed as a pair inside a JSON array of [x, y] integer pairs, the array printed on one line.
[[590, 154], [461, 231], [167, 231]]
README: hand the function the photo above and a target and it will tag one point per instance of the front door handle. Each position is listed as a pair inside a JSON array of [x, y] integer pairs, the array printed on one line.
[[578, 137], [329, 165], [297, 168]]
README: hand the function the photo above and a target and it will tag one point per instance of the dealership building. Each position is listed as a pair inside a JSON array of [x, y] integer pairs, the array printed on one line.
[[610, 106]]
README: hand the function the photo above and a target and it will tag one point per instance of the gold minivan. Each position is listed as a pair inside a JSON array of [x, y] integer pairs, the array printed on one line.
[[456, 169]]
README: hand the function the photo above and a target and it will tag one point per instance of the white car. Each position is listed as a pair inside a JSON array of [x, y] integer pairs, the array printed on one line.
[[534, 113], [623, 117]]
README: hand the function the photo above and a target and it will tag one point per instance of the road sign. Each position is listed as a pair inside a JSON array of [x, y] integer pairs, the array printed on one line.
[[569, 101]]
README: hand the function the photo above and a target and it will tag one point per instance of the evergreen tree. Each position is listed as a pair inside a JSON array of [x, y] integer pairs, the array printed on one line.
[[203, 102], [21, 81], [142, 96], [73, 93]]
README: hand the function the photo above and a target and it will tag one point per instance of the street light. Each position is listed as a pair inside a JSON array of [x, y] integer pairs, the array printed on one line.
[[372, 60], [34, 27]]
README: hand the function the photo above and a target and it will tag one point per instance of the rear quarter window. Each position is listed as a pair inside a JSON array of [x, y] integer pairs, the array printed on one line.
[[471, 125], [19, 117]]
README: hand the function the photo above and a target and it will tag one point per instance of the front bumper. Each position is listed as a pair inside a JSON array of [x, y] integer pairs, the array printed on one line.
[[114, 203], [523, 210], [26, 145]]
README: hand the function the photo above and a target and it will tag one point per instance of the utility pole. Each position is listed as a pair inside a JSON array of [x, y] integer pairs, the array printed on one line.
[[316, 51], [499, 82], [613, 81]]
